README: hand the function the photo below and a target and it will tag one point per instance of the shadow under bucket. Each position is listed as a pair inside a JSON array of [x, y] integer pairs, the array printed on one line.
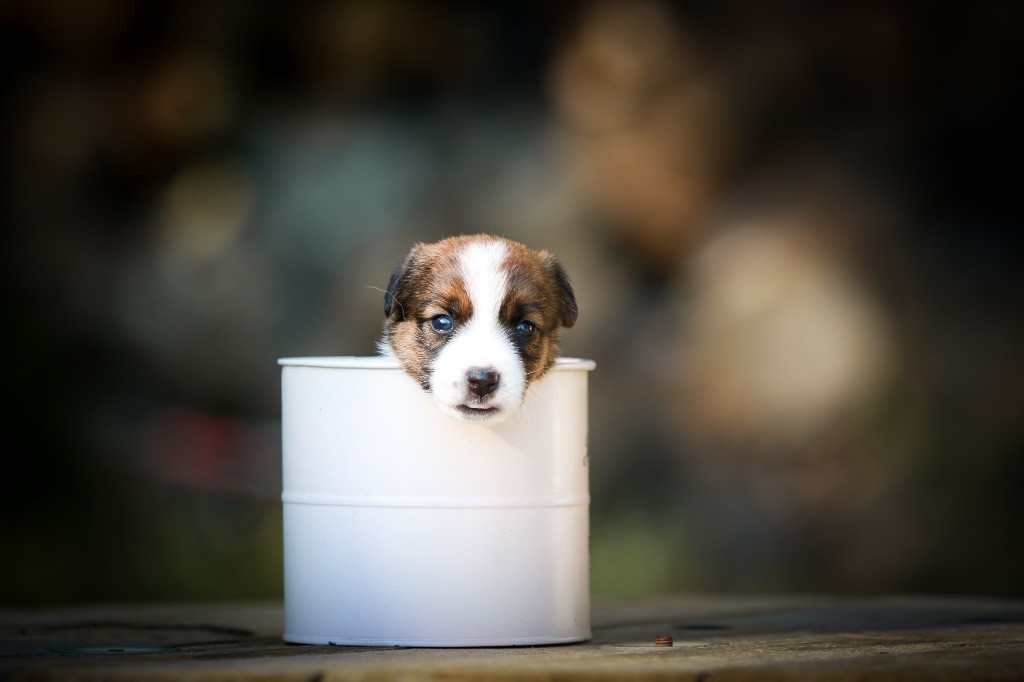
[[404, 526]]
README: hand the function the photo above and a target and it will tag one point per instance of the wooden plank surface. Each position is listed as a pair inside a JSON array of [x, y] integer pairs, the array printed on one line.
[[714, 638]]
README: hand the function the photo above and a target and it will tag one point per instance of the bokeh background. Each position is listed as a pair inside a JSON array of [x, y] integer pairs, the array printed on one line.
[[789, 226]]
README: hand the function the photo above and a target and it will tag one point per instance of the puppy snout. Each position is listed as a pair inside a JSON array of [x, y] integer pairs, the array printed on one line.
[[482, 380]]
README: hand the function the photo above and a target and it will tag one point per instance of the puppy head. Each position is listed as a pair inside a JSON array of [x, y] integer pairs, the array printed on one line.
[[475, 320]]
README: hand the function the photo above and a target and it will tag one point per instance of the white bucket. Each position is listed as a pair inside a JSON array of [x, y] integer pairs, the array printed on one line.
[[404, 526]]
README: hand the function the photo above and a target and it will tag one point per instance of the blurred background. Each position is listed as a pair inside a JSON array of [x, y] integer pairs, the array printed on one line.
[[788, 228]]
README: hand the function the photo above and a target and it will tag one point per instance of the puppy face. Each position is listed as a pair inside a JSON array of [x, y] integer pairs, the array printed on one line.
[[475, 320]]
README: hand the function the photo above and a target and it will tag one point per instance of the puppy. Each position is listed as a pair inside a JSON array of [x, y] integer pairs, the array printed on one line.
[[475, 320]]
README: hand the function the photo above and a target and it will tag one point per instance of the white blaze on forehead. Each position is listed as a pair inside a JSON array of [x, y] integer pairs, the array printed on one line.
[[484, 277], [481, 340]]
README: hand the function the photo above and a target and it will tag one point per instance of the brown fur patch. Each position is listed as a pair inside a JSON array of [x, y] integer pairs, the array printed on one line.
[[538, 292]]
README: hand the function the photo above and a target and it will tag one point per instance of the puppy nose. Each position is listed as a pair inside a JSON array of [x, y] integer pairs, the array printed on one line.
[[482, 380]]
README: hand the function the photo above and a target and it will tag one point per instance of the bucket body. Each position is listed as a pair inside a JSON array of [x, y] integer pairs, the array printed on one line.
[[404, 526]]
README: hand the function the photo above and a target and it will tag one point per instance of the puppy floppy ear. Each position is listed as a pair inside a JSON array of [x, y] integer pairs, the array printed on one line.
[[395, 296], [566, 298]]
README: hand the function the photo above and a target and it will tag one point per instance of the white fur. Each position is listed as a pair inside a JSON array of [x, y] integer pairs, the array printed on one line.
[[480, 341]]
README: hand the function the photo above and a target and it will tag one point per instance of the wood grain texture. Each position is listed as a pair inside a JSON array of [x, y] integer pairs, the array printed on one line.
[[714, 638]]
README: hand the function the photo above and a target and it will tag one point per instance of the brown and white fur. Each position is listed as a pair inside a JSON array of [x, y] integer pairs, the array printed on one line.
[[475, 320]]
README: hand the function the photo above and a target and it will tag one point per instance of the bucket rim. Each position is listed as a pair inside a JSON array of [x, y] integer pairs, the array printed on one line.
[[380, 362]]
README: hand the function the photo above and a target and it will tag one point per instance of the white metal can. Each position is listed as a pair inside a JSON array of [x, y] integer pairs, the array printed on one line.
[[404, 526]]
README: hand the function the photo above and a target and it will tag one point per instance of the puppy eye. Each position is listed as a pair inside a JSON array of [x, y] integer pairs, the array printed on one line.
[[525, 329], [442, 324]]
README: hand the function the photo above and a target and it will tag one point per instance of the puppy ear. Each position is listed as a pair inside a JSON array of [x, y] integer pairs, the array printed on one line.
[[566, 298], [395, 295], [389, 295]]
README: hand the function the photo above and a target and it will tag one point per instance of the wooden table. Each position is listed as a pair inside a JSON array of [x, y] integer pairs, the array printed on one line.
[[716, 638]]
